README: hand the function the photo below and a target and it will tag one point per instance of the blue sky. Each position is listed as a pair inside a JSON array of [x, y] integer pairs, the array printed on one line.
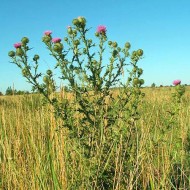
[[160, 27]]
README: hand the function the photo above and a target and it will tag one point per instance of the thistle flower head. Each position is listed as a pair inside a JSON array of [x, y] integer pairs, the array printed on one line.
[[101, 29], [17, 45], [47, 33], [56, 40], [176, 82]]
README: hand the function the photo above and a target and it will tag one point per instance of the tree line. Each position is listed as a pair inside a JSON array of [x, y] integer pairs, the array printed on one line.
[[10, 91]]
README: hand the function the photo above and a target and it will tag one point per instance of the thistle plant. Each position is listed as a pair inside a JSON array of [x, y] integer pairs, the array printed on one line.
[[172, 136], [176, 101], [100, 119], [177, 95], [179, 92]]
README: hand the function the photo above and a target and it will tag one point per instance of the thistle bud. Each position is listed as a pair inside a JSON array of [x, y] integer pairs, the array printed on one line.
[[134, 70], [36, 57], [46, 79], [76, 22], [140, 72], [119, 49], [49, 72], [134, 54], [135, 81], [25, 72], [58, 47], [74, 32], [140, 52], [127, 45], [19, 52], [114, 44], [110, 43], [82, 20], [76, 42], [11, 54], [114, 53], [69, 30], [24, 40], [141, 81], [46, 39]]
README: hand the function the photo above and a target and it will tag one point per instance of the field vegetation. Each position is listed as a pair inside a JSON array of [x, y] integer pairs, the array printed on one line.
[[32, 146], [92, 135]]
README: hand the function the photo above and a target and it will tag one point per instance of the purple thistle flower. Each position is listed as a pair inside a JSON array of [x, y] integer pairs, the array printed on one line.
[[101, 29], [56, 40], [48, 33], [17, 45], [176, 82]]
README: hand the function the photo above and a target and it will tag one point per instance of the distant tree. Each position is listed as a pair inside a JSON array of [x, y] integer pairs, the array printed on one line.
[[10, 91], [21, 92], [1, 94], [153, 85]]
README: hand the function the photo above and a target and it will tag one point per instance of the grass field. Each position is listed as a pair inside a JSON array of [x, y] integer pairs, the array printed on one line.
[[32, 146]]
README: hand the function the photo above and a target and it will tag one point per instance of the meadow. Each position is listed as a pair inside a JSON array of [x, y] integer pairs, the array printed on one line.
[[33, 146], [103, 130]]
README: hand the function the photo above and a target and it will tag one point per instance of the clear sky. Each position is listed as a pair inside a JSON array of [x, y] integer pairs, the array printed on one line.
[[160, 27]]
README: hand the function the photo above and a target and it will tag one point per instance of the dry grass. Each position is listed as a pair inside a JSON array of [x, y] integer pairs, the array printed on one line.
[[32, 145]]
